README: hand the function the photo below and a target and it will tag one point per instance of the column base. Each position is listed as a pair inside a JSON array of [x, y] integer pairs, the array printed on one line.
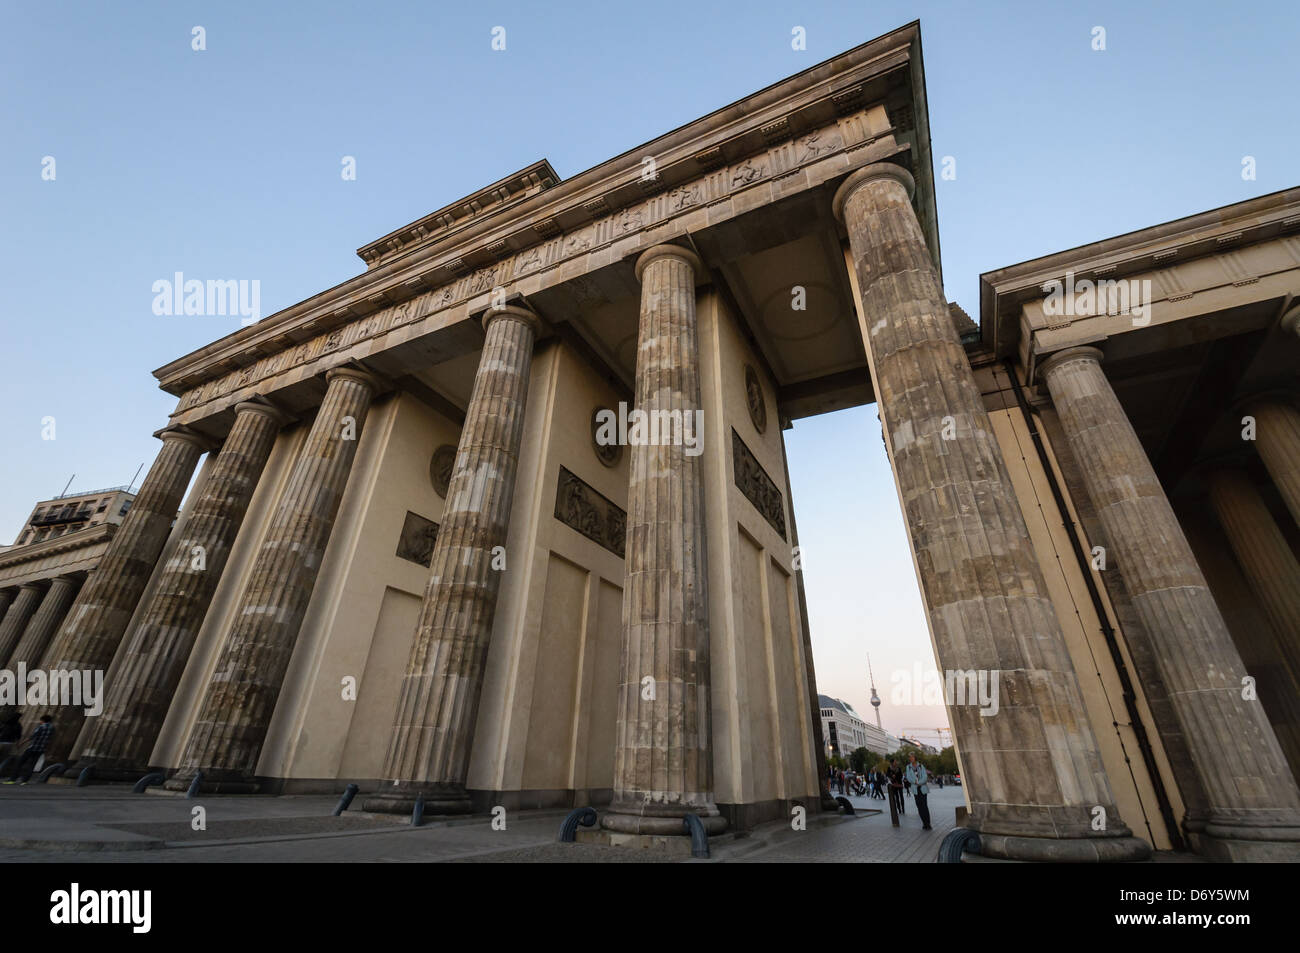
[[1063, 850], [439, 798], [635, 817], [215, 781], [1243, 842]]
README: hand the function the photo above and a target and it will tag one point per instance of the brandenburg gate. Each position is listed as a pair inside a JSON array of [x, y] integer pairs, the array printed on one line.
[[412, 558]]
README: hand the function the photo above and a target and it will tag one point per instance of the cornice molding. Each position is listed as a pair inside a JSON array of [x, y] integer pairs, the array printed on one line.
[[1217, 232], [523, 184], [30, 552]]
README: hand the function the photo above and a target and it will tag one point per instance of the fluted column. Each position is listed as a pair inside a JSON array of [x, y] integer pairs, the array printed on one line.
[[1254, 806], [1277, 439], [663, 762], [227, 737], [15, 621], [94, 626], [121, 739], [45, 622], [6, 599], [439, 693], [1034, 775], [1266, 560]]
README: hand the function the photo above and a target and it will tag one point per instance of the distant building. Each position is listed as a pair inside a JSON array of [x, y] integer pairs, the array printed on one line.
[[62, 541], [845, 730], [74, 511], [907, 742]]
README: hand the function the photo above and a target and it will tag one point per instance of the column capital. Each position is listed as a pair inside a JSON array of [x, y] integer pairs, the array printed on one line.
[[351, 372], [261, 405], [1265, 395], [1057, 358], [1291, 320], [185, 434], [671, 251], [877, 170], [526, 315]]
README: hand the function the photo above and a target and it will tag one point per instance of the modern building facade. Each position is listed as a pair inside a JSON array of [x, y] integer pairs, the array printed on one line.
[[844, 730], [72, 512], [414, 558]]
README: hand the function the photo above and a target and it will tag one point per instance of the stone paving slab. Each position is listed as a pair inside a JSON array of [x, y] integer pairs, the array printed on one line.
[[127, 828], [556, 853], [60, 836], [250, 828], [862, 838]]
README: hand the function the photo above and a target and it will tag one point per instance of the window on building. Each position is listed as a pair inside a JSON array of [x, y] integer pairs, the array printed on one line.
[[103, 505], [126, 505]]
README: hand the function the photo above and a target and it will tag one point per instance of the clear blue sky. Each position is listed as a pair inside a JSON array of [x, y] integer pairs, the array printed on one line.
[[225, 164]]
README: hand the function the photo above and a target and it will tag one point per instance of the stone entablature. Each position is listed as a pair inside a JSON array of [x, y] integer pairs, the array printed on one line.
[[716, 197], [71, 553], [811, 128], [523, 184], [1254, 243]]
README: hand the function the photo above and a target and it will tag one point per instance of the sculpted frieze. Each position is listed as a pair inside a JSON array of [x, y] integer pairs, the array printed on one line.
[[752, 480]]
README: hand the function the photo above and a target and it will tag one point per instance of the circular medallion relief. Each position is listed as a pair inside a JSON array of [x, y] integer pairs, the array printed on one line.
[[754, 399], [604, 436], [444, 458]]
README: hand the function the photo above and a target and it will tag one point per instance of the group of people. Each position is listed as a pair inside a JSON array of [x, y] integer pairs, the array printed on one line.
[[911, 781]]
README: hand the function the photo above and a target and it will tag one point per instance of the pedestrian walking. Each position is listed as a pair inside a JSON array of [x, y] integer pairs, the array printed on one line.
[[919, 777], [35, 752]]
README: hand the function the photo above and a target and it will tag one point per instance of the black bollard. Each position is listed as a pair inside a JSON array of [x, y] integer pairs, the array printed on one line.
[[699, 836], [349, 793], [144, 782], [586, 816]]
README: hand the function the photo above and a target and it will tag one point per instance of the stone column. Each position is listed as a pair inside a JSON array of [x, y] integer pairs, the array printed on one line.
[[1266, 560], [1033, 772], [6, 597], [94, 626], [227, 737], [16, 619], [663, 763], [45, 622], [1254, 806], [121, 739], [439, 694], [1277, 439]]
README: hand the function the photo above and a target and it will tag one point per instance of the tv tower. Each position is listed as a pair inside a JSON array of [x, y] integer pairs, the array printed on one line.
[[875, 699]]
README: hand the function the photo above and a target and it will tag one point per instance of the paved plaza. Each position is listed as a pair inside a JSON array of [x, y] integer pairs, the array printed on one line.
[[108, 824]]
